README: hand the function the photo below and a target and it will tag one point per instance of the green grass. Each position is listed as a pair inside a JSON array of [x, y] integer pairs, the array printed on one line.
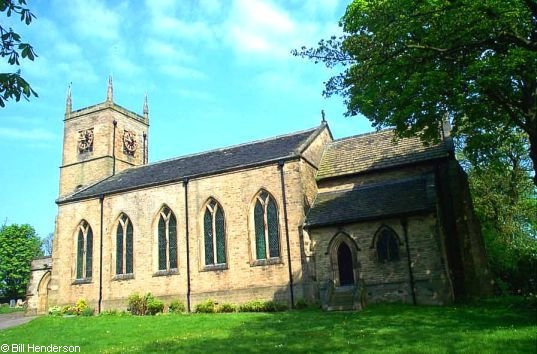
[[487, 327], [7, 309]]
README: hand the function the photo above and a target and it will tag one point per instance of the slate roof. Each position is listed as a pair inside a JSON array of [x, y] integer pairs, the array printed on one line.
[[374, 151], [271, 150], [372, 202]]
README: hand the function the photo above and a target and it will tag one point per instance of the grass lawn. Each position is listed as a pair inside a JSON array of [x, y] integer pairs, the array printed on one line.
[[498, 326], [7, 309]]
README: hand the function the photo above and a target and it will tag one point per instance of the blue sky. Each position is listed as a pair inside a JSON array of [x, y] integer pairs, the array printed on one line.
[[216, 73]]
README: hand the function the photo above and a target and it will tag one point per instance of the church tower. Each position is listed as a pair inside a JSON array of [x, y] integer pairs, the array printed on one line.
[[100, 141]]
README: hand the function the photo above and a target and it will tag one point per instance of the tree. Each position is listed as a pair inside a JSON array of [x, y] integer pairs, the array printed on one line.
[[13, 85], [505, 200], [47, 244], [19, 244], [410, 64]]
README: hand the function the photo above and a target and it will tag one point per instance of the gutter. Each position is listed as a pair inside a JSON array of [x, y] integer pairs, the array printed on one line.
[[99, 308]]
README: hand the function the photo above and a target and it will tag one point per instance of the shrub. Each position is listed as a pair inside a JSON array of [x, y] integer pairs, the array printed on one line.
[[69, 310], [81, 305], [87, 312], [154, 306], [252, 306], [226, 308], [176, 306], [262, 306], [55, 311], [137, 304], [207, 306], [301, 304], [274, 306]]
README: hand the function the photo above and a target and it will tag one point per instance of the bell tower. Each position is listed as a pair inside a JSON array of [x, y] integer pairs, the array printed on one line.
[[100, 141]]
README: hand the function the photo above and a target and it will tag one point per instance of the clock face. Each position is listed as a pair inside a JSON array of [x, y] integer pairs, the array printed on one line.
[[85, 140], [129, 142]]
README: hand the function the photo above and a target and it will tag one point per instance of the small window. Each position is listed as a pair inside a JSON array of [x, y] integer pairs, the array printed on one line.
[[84, 259], [387, 245], [266, 227], [214, 234], [124, 246], [167, 240]]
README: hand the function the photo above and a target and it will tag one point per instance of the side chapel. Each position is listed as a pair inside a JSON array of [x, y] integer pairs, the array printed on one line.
[[366, 218]]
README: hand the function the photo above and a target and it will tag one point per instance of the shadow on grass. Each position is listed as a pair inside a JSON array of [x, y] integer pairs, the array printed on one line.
[[383, 328]]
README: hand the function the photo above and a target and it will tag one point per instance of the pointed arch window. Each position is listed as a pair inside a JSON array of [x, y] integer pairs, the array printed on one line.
[[167, 240], [214, 234], [124, 246], [387, 245], [267, 239], [84, 251]]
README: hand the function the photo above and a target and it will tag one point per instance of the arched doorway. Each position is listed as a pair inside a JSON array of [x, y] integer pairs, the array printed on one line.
[[345, 265], [42, 294]]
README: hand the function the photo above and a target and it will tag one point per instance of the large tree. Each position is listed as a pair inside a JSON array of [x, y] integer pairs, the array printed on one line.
[[410, 64], [505, 200], [12, 84], [19, 244]]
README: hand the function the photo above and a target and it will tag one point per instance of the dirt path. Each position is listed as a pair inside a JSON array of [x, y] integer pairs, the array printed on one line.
[[13, 319]]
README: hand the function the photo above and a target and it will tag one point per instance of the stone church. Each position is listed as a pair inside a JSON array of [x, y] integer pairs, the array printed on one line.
[[344, 222]]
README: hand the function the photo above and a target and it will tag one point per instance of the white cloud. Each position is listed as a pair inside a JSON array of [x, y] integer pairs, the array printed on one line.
[[35, 134], [166, 51], [182, 72], [94, 19]]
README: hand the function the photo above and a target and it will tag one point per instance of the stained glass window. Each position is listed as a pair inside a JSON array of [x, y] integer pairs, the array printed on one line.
[[266, 227], [214, 234], [260, 250], [387, 246], [84, 251], [128, 249], [80, 256], [167, 240], [162, 244], [124, 245], [89, 252]]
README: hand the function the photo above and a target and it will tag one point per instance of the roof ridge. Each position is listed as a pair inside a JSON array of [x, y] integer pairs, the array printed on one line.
[[226, 148]]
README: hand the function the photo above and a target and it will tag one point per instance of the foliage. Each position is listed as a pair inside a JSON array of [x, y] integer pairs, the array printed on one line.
[[499, 326], [410, 64], [226, 308], [301, 304], [144, 305], [137, 304], [176, 306], [154, 306], [262, 306], [4, 308], [19, 244], [505, 201], [207, 306], [13, 85], [55, 310]]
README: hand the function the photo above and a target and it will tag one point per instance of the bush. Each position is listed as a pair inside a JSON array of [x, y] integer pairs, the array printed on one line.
[[81, 305], [273, 306], [87, 312], [146, 305], [176, 306], [69, 310], [262, 306], [226, 308], [207, 306], [137, 304], [55, 311], [154, 306], [301, 304]]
